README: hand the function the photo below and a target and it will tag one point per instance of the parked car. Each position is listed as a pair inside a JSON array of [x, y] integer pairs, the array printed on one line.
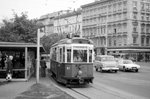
[[128, 65], [105, 63]]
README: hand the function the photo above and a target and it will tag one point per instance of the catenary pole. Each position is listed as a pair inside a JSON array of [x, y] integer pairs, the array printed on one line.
[[38, 56]]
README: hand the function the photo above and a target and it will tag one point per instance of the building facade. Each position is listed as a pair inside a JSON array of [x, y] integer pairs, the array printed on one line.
[[47, 22], [118, 27], [69, 23]]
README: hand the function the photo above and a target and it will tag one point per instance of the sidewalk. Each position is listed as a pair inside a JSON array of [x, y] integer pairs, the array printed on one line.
[[31, 90]]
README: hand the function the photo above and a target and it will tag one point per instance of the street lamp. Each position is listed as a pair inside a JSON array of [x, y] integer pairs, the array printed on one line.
[[38, 56]]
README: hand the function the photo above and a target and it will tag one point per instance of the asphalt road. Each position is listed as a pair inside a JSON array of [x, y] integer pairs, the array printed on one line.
[[131, 83]]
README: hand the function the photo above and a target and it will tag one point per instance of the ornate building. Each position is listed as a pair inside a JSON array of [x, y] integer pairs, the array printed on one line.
[[69, 23], [118, 27]]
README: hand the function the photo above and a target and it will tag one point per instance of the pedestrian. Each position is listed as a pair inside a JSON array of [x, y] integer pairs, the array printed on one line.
[[9, 68], [34, 67], [43, 67], [3, 58]]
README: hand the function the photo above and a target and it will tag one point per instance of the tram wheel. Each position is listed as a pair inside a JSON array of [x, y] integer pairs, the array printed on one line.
[[136, 70], [96, 69], [101, 70]]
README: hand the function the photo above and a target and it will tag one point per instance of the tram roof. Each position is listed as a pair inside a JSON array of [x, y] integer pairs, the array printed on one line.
[[75, 40]]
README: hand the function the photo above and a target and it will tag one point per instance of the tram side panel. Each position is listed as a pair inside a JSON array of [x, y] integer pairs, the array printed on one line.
[[53, 68]]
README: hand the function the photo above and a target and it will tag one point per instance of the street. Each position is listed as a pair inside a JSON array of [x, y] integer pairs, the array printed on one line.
[[121, 85]]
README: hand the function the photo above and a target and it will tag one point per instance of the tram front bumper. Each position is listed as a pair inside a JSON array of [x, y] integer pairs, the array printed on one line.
[[76, 79]]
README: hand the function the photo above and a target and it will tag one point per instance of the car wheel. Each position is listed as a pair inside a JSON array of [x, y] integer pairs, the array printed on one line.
[[115, 71], [136, 70], [96, 69], [124, 69]]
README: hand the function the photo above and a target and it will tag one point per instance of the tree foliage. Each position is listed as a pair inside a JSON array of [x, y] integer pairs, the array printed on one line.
[[19, 29], [49, 40]]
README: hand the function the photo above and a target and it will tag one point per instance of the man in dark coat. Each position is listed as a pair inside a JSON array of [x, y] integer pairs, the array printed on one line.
[[43, 67], [3, 58]]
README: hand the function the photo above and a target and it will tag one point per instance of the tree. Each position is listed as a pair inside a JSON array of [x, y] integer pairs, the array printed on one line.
[[49, 40], [19, 29]]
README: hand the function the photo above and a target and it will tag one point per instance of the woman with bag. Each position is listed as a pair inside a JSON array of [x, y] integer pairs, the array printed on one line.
[[9, 68]]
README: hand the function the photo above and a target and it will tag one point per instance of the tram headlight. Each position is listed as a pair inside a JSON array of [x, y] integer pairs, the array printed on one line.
[[68, 68], [80, 72]]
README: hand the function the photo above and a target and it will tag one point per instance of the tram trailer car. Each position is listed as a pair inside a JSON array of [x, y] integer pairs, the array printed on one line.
[[72, 61]]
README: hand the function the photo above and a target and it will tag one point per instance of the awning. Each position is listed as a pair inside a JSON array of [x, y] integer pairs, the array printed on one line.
[[130, 50]]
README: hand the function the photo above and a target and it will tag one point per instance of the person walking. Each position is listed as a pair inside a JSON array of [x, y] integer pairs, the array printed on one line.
[[43, 67], [9, 68]]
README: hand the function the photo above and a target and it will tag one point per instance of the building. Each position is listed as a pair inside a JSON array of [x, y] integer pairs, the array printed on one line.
[[118, 27], [47, 21], [69, 23]]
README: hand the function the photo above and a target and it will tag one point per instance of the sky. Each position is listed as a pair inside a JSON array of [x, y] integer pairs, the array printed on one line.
[[37, 8]]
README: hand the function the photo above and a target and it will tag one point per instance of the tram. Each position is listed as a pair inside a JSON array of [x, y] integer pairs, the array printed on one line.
[[71, 61]]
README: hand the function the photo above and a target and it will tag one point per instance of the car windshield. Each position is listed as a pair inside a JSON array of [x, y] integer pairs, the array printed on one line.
[[127, 62]]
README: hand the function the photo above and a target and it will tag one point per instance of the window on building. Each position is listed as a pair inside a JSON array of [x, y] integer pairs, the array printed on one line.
[[125, 16], [134, 29], [147, 30], [124, 5], [134, 40], [114, 42], [142, 29], [142, 6], [134, 5], [135, 16], [147, 18], [147, 41], [115, 30], [125, 40], [109, 41], [142, 41], [147, 6], [142, 17]]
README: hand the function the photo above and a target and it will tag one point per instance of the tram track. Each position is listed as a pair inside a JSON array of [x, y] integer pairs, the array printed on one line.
[[80, 93], [74, 93]]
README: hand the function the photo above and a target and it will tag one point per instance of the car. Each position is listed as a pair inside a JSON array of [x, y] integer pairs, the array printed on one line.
[[128, 65], [105, 63]]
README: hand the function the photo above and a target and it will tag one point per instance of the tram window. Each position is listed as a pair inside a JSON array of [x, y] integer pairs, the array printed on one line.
[[80, 55], [63, 54], [90, 55], [54, 54], [68, 55]]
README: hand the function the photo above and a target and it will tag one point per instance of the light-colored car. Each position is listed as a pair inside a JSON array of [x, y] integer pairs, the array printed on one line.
[[128, 65], [105, 63]]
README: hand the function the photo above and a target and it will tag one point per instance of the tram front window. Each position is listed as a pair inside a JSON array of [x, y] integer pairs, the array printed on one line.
[[80, 55], [68, 55]]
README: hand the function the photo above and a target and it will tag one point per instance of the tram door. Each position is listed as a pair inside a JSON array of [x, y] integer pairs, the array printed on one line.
[[60, 67]]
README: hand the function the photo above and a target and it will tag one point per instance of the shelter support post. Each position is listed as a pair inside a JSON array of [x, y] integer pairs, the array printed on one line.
[[26, 62]]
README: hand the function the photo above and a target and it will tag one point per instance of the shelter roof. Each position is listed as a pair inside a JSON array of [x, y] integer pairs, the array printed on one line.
[[15, 45]]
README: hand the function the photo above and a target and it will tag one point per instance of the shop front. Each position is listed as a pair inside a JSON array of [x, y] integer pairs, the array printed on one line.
[[24, 59], [138, 54]]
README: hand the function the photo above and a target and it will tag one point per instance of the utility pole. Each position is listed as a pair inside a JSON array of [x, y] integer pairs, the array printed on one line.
[[38, 56]]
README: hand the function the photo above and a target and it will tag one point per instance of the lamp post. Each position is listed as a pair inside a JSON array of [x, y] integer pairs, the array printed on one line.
[[38, 56]]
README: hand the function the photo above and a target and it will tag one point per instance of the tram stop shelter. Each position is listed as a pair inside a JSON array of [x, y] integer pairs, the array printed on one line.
[[24, 59]]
